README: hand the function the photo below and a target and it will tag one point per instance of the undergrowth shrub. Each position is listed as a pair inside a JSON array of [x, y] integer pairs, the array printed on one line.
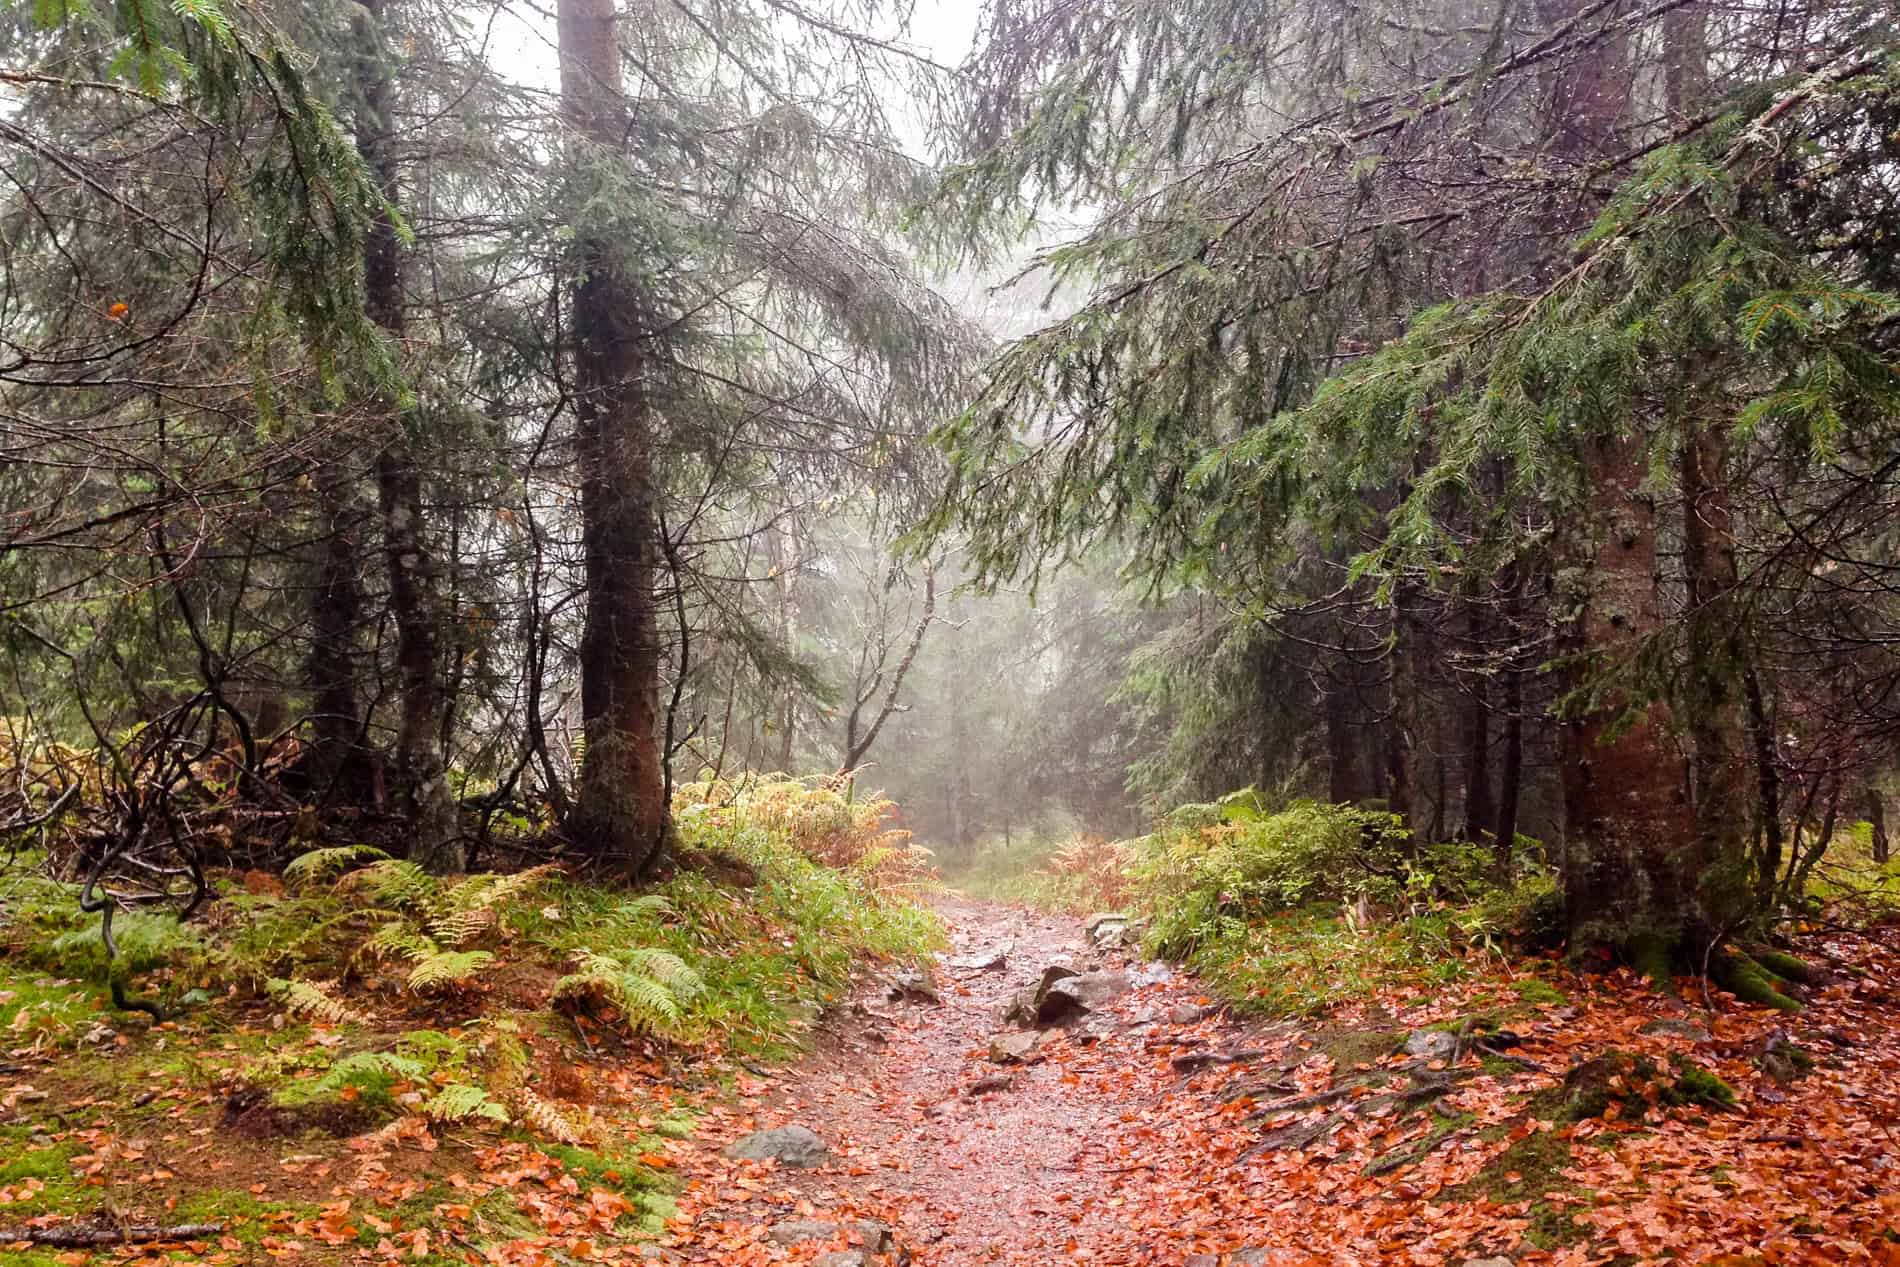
[[1206, 880], [1079, 874], [830, 826]]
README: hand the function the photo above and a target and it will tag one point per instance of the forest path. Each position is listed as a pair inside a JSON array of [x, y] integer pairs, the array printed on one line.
[[1047, 1168]]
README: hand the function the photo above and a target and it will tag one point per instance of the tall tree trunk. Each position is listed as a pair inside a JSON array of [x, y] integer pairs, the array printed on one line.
[[1401, 699], [339, 762], [1714, 892], [1712, 868], [620, 813], [1625, 810], [421, 778], [783, 555], [1478, 811], [1511, 773]]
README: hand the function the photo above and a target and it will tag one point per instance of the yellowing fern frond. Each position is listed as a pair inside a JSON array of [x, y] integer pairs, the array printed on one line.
[[311, 1001], [392, 882], [545, 1119], [318, 863], [448, 968]]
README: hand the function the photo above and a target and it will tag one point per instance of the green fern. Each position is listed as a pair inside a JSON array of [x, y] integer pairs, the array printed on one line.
[[460, 1101], [367, 1069], [448, 968], [396, 940], [319, 863], [488, 892], [648, 987]]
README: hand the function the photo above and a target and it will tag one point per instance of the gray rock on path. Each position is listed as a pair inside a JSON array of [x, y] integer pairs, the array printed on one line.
[[793, 1146], [793, 1231], [1015, 1046], [981, 960], [1109, 929], [843, 1258], [1024, 1006], [877, 1237], [909, 984], [1431, 1044], [1499, 1261]]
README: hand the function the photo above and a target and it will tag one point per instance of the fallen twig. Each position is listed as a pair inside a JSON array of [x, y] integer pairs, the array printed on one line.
[[77, 1236]]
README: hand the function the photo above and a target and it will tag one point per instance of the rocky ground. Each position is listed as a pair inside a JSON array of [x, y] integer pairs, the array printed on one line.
[[1050, 1097]]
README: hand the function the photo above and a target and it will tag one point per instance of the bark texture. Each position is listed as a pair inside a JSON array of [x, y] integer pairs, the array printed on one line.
[[621, 815]]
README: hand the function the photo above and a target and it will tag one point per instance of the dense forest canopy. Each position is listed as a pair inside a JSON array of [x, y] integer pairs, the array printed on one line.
[[1482, 413]]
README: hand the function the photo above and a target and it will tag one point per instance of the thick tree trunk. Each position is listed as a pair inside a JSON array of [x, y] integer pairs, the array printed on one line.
[[1625, 809], [421, 778], [621, 813]]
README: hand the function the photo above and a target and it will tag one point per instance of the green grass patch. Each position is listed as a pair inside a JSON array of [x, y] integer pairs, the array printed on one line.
[[1301, 962]]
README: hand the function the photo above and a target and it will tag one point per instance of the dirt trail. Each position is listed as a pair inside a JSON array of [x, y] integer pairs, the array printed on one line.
[[1045, 1169]]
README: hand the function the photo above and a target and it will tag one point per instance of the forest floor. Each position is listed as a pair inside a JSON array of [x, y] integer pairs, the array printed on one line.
[[1521, 1114], [1526, 1115]]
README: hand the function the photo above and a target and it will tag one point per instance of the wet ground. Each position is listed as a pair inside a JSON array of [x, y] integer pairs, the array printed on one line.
[[970, 1160]]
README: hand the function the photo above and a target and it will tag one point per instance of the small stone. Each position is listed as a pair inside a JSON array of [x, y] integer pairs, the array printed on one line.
[[1673, 1028], [1499, 1261], [794, 1231], [793, 1146], [993, 1082], [1186, 1014], [1156, 973], [911, 984], [1014, 1047], [981, 960], [1431, 1044], [877, 1237], [842, 1258]]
